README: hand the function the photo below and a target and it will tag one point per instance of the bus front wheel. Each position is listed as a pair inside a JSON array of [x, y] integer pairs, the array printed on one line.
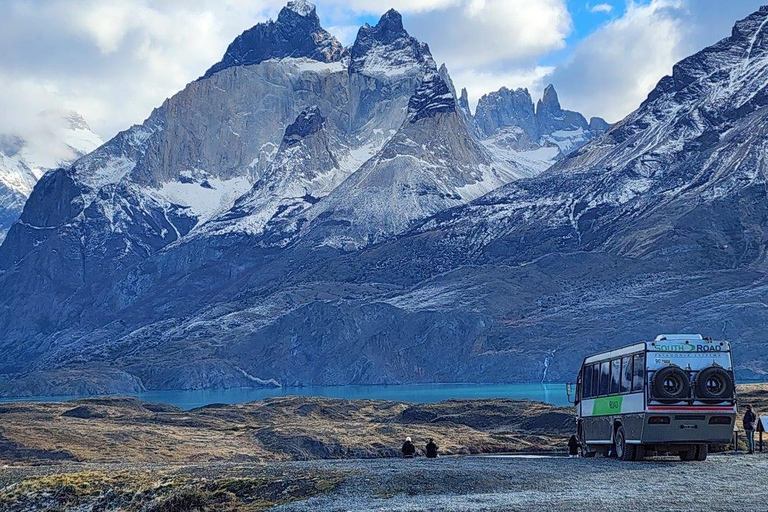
[[586, 452]]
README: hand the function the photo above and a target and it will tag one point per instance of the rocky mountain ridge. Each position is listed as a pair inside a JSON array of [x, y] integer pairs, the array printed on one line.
[[511, 127], [376, 240]]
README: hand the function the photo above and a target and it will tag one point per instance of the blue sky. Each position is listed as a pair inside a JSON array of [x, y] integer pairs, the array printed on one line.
[[114, 61]]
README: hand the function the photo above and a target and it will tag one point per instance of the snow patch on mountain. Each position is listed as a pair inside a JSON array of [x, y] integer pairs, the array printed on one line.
[[202, 200]]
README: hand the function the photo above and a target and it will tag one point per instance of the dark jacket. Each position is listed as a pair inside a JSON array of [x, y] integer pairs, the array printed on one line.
[[431, 449], [750, 420], [408, 449], [573, 446]]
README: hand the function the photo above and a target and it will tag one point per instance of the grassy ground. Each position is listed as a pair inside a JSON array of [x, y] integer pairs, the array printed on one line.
[[161, 490], [293, 428]]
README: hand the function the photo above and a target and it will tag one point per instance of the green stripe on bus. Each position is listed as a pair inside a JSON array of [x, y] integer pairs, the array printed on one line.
[[607, 405]]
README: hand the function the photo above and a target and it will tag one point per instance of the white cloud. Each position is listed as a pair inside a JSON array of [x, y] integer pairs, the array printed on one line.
[[600, 8], [112, 61], [115, 61], [614, 69], [476, 33]]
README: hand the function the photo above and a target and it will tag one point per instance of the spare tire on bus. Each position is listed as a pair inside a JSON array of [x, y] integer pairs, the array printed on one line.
[[671, 383], [714, 383]]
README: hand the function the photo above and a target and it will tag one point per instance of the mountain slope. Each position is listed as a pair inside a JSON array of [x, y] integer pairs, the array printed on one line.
[[431, 164]]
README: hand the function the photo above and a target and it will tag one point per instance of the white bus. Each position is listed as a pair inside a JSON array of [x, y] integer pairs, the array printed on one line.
[[675, 394]]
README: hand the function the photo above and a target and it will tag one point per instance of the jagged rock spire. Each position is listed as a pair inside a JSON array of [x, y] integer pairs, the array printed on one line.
[[302, 8], [432, 97]]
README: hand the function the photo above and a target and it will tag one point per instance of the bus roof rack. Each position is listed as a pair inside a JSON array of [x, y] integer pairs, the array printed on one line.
[[666, 337]]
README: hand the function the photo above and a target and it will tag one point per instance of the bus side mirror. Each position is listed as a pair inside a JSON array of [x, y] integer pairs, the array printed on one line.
[[569, 391]]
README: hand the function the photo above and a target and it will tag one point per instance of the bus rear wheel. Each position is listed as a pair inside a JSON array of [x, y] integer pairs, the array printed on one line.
[[623, 450], [702, 451], [689, 453]]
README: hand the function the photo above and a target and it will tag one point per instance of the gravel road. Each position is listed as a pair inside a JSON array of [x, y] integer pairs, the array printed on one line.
[[724, 482]]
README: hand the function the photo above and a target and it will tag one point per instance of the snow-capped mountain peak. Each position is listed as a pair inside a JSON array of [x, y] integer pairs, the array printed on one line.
[[295, 33], [387, 49], [302, 8], [531, 137]]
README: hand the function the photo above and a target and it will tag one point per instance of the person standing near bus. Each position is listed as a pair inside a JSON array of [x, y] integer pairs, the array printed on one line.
[[750, 424], [573, 446]]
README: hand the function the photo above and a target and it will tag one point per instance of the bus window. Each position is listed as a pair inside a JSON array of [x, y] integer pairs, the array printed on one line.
[[586, 387], [605, 378], [638, 375], [615, 376], [595, 380], [626, 374]]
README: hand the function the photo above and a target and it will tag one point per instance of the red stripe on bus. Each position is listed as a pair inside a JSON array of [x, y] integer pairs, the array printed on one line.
[[678, 408]]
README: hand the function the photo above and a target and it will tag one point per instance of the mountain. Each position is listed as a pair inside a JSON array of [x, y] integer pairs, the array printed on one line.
[[246, 157], [431, 164], [656, 226], [56, 139], [535, 138], [364, 249]]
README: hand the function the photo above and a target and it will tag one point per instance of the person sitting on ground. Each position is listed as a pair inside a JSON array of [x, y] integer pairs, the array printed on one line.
[[409, 450], [750, 425], [573, 446], [431, 449]]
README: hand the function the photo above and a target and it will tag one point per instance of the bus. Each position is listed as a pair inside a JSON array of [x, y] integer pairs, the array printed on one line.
[[673, 395]]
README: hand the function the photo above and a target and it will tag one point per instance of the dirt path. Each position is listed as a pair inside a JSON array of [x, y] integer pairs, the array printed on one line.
[[724, 482]]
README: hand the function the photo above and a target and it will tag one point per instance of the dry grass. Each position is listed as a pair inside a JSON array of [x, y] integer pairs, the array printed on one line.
[[161, 492], [293, 428]]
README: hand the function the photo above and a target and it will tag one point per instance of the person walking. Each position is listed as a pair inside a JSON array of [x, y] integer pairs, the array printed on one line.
[[431, 449], [573, 446], [409, 450], [750, 424]]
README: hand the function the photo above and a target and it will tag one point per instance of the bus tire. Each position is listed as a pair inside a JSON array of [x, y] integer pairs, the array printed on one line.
[[678, 379], [723, 389], [639, 452], [623, 450], [702, 451], [689, 454]]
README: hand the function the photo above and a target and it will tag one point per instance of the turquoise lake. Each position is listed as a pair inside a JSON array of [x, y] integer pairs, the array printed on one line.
[[417, 393]]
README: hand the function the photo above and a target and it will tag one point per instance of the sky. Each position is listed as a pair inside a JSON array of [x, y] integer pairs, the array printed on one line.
[[113, 61]]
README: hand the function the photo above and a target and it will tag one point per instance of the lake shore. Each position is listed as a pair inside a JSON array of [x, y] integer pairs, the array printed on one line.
[[301, 453]]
